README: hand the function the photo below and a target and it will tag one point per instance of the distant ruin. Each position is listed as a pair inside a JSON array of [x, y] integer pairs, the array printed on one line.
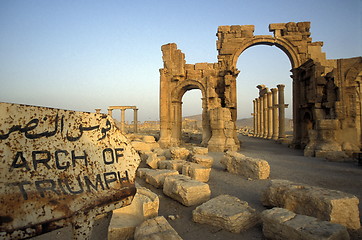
[[326, 93]]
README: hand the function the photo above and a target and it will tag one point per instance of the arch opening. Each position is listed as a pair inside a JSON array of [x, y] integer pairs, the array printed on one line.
[[192, 115], [262, 64]]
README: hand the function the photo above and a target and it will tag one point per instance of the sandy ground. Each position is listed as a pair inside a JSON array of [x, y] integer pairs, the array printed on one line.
[[285, 163]]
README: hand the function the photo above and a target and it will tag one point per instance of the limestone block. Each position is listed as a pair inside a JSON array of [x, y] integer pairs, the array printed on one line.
[[172, 164], [125, 220], [141, 172], [185, 190], [324, 204], [156, 177], [203, 160], [227, 212], [144, 155], [248, 167], [199, 150], [178, 153], [141, 146], [196, 171], [149, 139], [152, 160], [280, 223], [156, 228], [159, 151]]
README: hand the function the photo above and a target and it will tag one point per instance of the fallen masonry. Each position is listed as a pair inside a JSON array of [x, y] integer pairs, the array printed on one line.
[[199, 151], [246, 166], [156, 228], [280, 223], [227, 212], [179, 153], [156, 177], [172, 164], [124, 220], [196, 171], [185, 190], [324, 204], [203, 160]]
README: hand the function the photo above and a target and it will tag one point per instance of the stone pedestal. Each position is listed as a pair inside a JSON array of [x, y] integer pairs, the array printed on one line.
[[326, 144]]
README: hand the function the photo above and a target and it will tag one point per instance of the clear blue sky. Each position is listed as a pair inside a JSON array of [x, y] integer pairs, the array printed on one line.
[[83, 55]]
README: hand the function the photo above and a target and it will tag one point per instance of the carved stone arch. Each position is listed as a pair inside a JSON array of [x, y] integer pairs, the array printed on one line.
[[284, 45], [184, 86]]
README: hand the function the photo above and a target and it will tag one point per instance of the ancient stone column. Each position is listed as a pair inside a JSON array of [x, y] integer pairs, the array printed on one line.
[[265, 109], [110, 112], [257, 117], [135, 119], [261, 116], [206, 131], [281, 111], [98, 110], [123, 111], [270, 115], [254, 116], [275, 113]]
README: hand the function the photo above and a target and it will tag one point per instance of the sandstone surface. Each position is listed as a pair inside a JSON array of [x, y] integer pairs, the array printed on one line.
[[248, 167], [280, 223], [156, 229], [324, 204], [185, 190], [227, 212]]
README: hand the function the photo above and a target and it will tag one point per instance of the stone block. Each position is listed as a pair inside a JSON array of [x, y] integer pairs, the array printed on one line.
[[178, 153], [324, 204], [141, 172], [156, 228], [152, 160], [156, 177], [125, 220], [141, 146], [248, 167], [199, 150], [280, 223], [203, 160], [227, 212], [196, 171], [185, 190], [149, 139], [172, 165]]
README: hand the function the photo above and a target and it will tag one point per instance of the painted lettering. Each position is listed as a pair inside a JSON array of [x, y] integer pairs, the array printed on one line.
[[16, 164], [44, 158]]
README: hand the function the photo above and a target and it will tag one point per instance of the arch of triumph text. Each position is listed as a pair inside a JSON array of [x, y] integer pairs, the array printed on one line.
[[326, 92]]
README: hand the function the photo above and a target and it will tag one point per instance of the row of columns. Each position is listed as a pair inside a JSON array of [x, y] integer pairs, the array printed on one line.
[[123, 116], [269, 113]]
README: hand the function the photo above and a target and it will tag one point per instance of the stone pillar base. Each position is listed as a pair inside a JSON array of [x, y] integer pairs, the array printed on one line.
[[331, 155]]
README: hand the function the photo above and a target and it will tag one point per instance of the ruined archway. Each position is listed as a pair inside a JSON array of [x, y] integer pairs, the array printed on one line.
[[311, 72], [176, 110]]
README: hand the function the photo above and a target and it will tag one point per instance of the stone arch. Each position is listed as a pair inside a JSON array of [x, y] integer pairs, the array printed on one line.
[[183, 87], [176, 97], [284, 45]]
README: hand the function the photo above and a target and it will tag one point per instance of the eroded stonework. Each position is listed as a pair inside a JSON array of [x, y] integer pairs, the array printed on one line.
[[326, 93]]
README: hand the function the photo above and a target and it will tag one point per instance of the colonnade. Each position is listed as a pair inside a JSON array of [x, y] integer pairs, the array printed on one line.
[[269, 113], [123, 114]]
